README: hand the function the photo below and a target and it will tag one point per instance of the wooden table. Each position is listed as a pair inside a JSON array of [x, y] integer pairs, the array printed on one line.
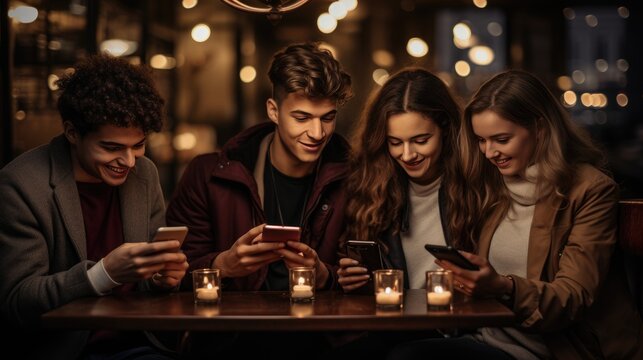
[[270, 311]]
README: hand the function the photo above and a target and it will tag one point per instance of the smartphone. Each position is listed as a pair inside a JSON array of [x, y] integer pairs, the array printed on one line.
[[278, 233], [171, 233], [368, 253], [450, 254]]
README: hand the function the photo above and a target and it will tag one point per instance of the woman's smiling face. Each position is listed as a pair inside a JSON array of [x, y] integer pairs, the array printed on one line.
[[415, 142], [509, 146]]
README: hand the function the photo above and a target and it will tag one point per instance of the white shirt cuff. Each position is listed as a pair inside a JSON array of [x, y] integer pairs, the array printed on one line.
[[100, 279]]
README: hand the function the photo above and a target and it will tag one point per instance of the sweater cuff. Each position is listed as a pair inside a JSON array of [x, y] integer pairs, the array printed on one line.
[[100, 279]]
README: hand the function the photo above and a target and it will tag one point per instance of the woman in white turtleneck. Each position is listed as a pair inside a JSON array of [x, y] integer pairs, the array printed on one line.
[[544, 234], [404, 150], [401, 179]]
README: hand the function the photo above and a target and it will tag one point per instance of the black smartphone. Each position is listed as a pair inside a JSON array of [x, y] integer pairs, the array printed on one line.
[[368, 254], [450, 254]]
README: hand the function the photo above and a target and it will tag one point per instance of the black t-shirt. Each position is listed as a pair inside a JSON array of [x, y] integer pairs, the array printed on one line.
[[288, 195]]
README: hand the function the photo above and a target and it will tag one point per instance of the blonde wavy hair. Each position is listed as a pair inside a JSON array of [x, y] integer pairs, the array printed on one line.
[[561, 146], [377, 185]]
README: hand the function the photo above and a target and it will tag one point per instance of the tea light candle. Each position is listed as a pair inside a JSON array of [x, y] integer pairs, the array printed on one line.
[[208, 293], [301, 291], [388, 297], [438, 296]]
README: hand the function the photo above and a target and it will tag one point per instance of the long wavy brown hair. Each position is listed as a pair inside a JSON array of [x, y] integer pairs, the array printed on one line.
[[561, 146], [377, 185]]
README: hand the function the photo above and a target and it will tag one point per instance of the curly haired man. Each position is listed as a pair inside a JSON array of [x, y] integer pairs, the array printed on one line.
[[77, 213]]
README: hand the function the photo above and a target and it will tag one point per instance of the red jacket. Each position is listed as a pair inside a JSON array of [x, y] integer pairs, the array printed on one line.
[[218, 199]]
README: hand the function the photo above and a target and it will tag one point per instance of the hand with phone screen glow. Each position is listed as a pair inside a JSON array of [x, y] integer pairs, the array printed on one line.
[[485, 282], [132, 262], [297, 254], [351, 276], [248, 254]]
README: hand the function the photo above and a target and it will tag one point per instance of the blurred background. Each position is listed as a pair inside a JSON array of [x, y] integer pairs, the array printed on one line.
[[210, 61]]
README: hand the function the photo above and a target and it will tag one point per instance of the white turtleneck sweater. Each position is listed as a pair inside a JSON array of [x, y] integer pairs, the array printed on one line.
[[510, 242], [508, 255], [425, 227]]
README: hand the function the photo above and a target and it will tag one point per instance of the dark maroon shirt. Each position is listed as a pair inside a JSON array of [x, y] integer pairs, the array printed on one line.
[[102, 217], [103, 233]]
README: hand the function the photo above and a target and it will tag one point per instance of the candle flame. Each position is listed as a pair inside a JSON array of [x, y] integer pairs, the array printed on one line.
[[206, 280], [301, 281], [209, 286], [438, 289]]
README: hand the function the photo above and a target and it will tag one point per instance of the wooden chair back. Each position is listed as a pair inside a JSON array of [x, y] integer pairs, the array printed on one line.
[[630, 223]]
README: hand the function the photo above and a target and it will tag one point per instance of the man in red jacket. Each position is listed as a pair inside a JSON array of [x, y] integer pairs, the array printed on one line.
[[284, 172], [287, 171]]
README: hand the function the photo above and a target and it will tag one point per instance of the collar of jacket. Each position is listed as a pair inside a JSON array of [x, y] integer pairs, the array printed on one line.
[[244, 152], [65, 192], [542, 222]]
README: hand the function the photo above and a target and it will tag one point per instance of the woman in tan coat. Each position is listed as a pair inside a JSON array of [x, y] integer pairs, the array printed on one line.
[[543, 225]]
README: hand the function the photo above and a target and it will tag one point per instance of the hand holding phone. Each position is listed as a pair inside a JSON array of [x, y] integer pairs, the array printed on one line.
[[450, 254], [163, 261], [368, 254], [173, 271]]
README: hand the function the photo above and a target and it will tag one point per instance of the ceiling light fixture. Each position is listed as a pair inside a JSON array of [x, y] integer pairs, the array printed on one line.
[[273, 9]]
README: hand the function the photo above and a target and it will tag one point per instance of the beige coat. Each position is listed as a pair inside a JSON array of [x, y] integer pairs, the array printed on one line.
[[575, 294]]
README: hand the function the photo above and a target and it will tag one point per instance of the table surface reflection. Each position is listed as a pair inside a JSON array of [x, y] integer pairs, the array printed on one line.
[[271, 311]]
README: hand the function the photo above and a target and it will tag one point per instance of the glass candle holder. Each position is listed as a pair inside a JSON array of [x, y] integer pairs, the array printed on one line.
[[207, 286], [389, 289], [302, 284], [439, 290]]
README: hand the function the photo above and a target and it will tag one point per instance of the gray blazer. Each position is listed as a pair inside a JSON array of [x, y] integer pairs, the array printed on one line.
[[43, 254]]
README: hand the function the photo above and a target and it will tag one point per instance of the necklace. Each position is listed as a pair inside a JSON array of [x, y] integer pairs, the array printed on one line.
[[274, 189]]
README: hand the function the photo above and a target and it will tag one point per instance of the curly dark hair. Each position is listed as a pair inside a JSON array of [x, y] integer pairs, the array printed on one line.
[[107, 90], [307, 67]]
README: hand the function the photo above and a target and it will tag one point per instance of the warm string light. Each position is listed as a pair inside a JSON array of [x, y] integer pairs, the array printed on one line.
[[337, 10]]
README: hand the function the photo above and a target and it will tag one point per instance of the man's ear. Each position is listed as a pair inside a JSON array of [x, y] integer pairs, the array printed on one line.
[[272, 110], [70, 132]]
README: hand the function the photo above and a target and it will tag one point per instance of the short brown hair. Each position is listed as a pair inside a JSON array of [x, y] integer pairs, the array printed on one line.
[[308, 68]]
